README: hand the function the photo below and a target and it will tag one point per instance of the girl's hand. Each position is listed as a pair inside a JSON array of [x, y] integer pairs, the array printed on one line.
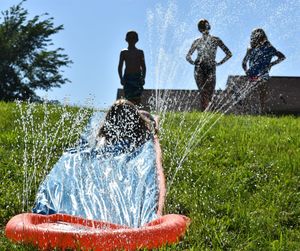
[[270, 66], [247, 72], [191, 61]]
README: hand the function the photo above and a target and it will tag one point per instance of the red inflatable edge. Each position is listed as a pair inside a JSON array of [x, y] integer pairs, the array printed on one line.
[[72, 232], [160, 172]]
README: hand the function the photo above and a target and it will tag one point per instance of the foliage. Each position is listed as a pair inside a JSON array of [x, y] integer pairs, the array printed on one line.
[[239, 180], [26, 62]]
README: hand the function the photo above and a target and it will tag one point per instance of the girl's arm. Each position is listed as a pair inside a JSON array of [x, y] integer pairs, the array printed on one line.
[[190, 53], [280, 57], [143, 65], [227, 52], [120, 66], [245, 60]]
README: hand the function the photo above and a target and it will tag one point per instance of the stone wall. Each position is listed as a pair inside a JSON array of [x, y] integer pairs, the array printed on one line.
[[283, 96], [168, 99], [239, 97]]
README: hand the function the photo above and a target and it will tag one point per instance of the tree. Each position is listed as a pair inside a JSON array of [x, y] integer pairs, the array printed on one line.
[[26, 62]]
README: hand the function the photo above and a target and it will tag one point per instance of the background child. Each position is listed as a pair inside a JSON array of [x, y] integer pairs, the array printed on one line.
[[205, 63], [259, 55], [134, 75], [258, 62]]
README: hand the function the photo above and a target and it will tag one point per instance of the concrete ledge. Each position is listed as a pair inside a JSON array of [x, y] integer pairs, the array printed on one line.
[[283, 98], [168, 99], [283, 95]]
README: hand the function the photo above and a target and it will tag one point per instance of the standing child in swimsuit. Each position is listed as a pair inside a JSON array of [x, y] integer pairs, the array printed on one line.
[[134, 75], [258, 62], [205, 63]]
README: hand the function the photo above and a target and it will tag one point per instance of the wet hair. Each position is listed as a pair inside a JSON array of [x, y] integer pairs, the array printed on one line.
[[258, 36], [125, 123], [132, 35], [203, 25]]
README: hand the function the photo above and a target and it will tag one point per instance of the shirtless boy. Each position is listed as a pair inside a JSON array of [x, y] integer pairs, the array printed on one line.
[[205, 63], [134, 75]]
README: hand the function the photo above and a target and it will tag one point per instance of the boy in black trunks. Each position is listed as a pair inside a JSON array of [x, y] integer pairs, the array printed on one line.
[[134, 75]]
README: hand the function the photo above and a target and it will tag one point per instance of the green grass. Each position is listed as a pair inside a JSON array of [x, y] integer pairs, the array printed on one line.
[[236, 177]]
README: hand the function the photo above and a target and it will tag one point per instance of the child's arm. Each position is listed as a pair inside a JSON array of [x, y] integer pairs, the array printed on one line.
[[143, 66], [120, 67], [245, 60], [190, 52], [227, 52], [280, 57]]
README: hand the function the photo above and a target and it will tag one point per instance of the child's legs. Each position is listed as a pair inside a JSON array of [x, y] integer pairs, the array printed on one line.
[[133, 88], [199, 77], [209, 88], [262, 88], [136, 100], [206, 80]]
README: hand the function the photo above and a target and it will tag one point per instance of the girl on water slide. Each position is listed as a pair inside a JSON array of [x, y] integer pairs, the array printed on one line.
[[125, 124], [113, 176]]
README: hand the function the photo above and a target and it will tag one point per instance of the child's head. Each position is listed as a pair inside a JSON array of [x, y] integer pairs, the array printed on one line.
[[124, 122], [203, 26], [258, 37], [132, 37]]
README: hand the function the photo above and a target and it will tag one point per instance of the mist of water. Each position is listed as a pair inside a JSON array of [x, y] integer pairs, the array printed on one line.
[[171, 29], [43, 135]]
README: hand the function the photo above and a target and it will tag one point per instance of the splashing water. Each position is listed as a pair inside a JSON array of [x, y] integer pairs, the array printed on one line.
[[98, 182], [172, 27], [44, 131], [171, 30]]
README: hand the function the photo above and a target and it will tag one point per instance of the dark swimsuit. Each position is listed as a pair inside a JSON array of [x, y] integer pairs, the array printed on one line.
[[133, 86]]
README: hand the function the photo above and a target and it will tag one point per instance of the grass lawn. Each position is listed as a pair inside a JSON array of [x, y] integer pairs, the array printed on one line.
[[236, 177]]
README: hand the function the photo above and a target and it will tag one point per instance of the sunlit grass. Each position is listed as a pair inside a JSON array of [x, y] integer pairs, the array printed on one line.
[[239, 183]]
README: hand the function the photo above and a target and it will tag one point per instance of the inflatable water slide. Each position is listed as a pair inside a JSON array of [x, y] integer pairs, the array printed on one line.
[[101, 198]]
